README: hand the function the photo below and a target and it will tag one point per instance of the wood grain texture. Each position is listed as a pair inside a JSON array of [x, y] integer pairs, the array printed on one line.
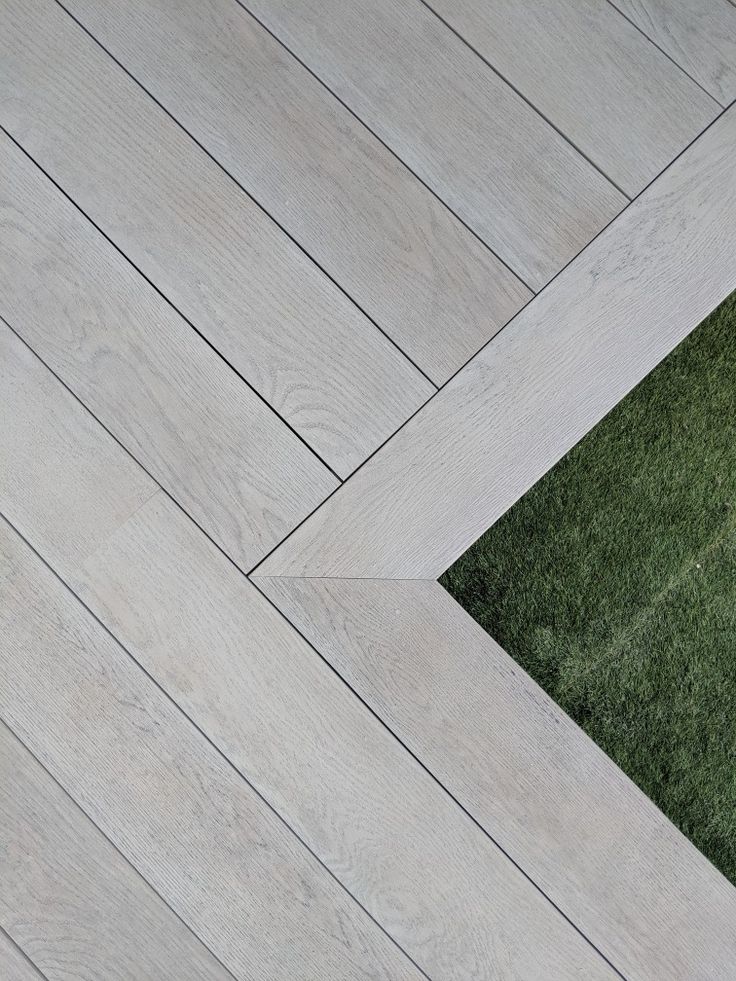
[[532, 393], [70, 901], [262, 303], [166, 798], [700, 35], [149, 378], [505, 171], [422, 276], [593, 75], [559, 806], [13, 964], [351, 792], [348, 789], [62, 477]]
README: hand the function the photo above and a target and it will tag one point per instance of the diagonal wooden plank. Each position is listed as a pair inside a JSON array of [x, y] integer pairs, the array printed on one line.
[[552, 799], [166, 798], [349, 790], [593, 75], [505, 171], [70, 901], [46, 431], [180, 410], [539, 386], [14, 964], [700, 35], [262, 303], [422, 276]]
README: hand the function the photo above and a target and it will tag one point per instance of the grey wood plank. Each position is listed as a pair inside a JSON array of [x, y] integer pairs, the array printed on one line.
[[592, 74], [45, 432], [150, 379], [70, 901], [700, 35], [504, 170], [598, 847], [354, 796], [13, 964], [166, 798], [253, 293], [539, 386], [422, 276]]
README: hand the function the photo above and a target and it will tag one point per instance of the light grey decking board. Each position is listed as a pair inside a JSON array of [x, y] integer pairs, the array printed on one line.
[[70, 901], [551, 798], [166, 798], [413, 267], [352, 793], [593, 75], [504, 170], [150, 379], [268, 702], [62, 477], [700, 35], [13, 965], [539, 386], [229, 269]]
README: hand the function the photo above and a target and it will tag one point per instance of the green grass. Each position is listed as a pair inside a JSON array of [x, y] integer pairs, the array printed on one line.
[[613, 583]]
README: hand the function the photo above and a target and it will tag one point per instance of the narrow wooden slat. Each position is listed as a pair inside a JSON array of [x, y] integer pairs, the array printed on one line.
[[559, 806], [505, 171], [593, 75], [355, 797], [166, 799], [13, 965], [157, 386], [539, 386], [282, 324], [423, 277], [70, 901], [700, 35]]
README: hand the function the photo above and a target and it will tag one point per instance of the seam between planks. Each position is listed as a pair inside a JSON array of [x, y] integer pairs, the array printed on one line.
[[239, 773], [668, 56], [77, 806], [3, 932], [250, 197], [548, 286]]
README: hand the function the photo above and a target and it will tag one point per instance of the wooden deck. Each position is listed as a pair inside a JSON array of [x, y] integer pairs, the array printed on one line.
[[296, 299]]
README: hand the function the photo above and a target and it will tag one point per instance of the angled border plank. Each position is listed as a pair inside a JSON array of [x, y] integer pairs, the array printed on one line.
[[611, 861], [552, 800], [539, 386]]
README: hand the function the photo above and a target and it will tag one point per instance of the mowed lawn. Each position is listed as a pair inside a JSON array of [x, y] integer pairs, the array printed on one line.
[[613, 583]]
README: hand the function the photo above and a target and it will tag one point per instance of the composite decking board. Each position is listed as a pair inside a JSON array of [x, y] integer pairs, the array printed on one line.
[[700, 35], [552, 799], [70, 901], [593, 75], [539, 386], [349, 790], [14, 965], [151, 380], [284, 326], [164, 796], [383, 236], [504, 170]]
